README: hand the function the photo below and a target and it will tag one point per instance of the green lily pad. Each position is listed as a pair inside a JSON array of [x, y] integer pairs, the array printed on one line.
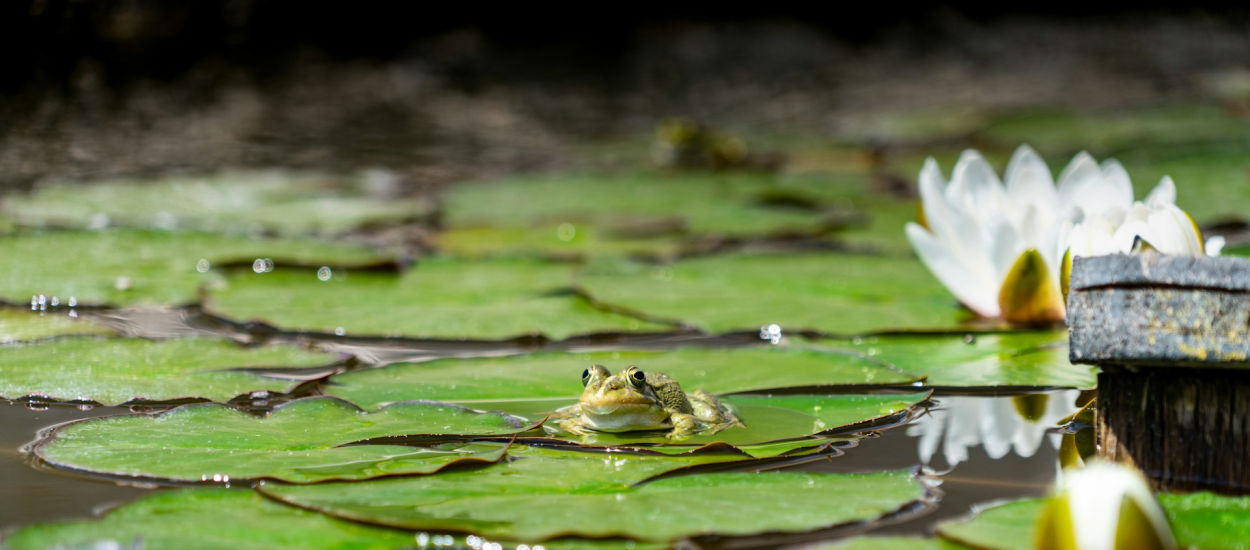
[[546, 493], [18, 324], [438, 298], [836, 293], [115, 371], [546, 381], [776, 417], [271, 202], [298, 442], [1199, 520], [208, 519], [1027, 359], [563, 242], [1071, 131], [699, 203], [890, 543], [127, 267]]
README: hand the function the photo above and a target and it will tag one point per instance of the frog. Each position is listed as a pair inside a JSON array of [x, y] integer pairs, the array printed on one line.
[[633, 400]]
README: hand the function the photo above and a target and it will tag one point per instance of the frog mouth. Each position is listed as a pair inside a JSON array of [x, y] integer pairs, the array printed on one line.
[[616, 408]]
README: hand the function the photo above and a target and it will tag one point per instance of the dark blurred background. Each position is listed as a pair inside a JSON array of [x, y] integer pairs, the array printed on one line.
[[440, 92]]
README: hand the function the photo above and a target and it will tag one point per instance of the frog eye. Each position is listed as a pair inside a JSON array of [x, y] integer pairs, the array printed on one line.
[[585, 377], [637, 377]]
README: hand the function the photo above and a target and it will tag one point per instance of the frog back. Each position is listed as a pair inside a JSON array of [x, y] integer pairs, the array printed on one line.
[[669, 392]]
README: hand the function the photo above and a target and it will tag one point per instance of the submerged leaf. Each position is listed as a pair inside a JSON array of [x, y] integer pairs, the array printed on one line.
[[115, 371], [547, 493], [438, 298], [300, 441]]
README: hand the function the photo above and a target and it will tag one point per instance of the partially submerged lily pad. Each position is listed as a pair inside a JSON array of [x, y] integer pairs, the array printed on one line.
[[1036, 359], [127, 267], [272, 202], [208, 518], [834, 293], [115, 371], [546, 381], [17, 324], [1199, 520], [546, 493], [437, 298], [300, 441]]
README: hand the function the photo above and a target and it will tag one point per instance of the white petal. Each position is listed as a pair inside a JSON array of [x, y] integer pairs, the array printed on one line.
[[1095, 190], [974, 288], [1005, 248], [975, 187], [1164, 193], [1029, 181], [1171, 231], [1214, 245]]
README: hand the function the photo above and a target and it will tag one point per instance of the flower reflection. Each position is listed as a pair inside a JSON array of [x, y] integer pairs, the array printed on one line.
[[1020, 424]]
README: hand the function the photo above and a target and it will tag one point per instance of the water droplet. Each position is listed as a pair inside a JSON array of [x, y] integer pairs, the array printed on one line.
[[772, 333], [970, 339], [203, 265], [339, 331], [262, 265], [122, 283], [492, 546], [98, 221], [34, 303], [474, 542], [73, 302], [423, 539], [566, 231], [55, 301], [260, 394], [324, 273], [165, 220]]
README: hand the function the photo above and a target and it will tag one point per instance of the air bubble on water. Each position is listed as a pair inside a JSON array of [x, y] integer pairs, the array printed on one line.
[[98, 221], [423, 540], [566, 232], [970, 339], [262, 265], [260, 394], [165, 220], [475, 542], [73, 302], [122, 283], [54, 302], [771, 332], [492, 546], [339, 331], [203, 265], [324, 273]]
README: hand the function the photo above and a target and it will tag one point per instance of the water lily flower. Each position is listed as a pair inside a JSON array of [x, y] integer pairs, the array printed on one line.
[[1003, 248], [1103, 506], [992, 243]]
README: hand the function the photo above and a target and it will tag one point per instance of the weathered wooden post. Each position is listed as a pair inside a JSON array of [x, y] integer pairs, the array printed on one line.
[[1172, 336]]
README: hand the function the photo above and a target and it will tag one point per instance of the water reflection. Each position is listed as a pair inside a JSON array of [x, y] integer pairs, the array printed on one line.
[[1019, 424]]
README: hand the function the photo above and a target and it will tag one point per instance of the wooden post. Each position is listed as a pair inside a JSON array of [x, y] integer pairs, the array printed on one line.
[[1172, 336]]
